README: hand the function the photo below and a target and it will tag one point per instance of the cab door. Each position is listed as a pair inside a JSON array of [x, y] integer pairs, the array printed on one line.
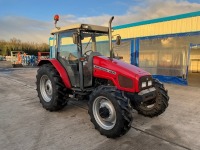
[[68, 57], [88, 49]]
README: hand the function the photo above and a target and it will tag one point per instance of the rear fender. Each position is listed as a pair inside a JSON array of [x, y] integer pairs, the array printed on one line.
[[61, 70]]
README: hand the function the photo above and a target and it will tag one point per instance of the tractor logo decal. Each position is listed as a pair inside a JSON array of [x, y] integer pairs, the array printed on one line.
[[105, 69]]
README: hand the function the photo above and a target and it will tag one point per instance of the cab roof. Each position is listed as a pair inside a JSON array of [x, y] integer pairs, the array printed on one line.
[[86, 27]]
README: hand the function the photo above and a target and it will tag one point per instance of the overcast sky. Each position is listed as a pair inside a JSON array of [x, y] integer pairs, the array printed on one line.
[[32, 20]]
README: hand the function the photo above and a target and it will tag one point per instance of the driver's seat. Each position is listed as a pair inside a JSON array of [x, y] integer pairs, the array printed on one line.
[[89, 68]]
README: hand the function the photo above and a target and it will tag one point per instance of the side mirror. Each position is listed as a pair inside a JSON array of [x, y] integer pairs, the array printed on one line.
[[118, 40], [75, 38]]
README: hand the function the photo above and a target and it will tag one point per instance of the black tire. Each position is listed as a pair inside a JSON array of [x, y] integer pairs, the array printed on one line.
[[159, 104], [121, 106], [57, 99]]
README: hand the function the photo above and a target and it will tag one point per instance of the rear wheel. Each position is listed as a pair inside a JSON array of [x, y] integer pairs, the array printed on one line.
[[155, 106], [110, 111], [50, 88]]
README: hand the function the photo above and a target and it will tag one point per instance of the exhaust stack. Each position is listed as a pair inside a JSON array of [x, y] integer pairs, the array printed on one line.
[[110, 36]]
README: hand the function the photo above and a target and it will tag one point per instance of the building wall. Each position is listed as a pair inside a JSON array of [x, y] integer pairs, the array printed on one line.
[[161, 46], [169, 25]]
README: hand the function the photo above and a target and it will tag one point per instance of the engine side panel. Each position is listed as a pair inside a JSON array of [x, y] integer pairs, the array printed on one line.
[[115, 69], [61, 70]]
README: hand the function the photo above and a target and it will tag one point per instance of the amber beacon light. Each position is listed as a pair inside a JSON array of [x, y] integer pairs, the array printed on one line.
[[56, 18]]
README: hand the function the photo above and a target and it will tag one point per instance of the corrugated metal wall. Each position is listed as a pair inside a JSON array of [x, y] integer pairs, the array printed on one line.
[[184, 25]]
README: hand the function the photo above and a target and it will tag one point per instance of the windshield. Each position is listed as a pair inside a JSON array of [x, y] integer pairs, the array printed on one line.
[[98, 42]]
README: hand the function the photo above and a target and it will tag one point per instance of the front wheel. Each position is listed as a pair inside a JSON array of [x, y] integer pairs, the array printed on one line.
[[157, 105], [110, 111], [50, 88]]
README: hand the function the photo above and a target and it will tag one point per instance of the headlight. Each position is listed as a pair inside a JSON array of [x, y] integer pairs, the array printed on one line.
[[144, 84], [150, 83]]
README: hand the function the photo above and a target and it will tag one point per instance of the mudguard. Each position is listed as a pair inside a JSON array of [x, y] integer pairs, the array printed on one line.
[[61, 70]]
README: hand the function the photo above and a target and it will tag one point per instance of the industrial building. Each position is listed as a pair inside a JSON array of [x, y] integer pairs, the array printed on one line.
[[168, 48]]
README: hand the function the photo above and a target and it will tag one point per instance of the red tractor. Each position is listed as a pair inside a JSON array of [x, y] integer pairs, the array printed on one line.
[[85, 67]]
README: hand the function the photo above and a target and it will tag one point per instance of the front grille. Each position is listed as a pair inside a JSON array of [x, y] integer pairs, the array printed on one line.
[[125, 82]]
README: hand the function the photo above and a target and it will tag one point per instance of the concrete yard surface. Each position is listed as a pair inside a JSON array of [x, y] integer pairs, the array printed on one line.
[[25, 125]]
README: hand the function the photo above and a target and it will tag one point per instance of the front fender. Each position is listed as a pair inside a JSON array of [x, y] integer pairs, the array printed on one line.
[[61, 70]]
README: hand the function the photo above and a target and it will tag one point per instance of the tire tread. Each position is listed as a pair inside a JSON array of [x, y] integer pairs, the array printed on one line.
[[125, 108], [58, 101], [162, 102]]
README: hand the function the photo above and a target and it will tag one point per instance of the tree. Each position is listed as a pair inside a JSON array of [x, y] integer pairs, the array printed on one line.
[[14, 44]]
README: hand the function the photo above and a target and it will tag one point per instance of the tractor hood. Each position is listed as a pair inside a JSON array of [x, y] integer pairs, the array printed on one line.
[[119, 72], [119, 66]]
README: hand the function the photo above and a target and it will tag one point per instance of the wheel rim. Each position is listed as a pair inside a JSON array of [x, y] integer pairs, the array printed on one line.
[[104, 113], [46, 88]]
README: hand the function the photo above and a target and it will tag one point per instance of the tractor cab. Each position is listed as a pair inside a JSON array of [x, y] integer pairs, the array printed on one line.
[[76, 45]]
